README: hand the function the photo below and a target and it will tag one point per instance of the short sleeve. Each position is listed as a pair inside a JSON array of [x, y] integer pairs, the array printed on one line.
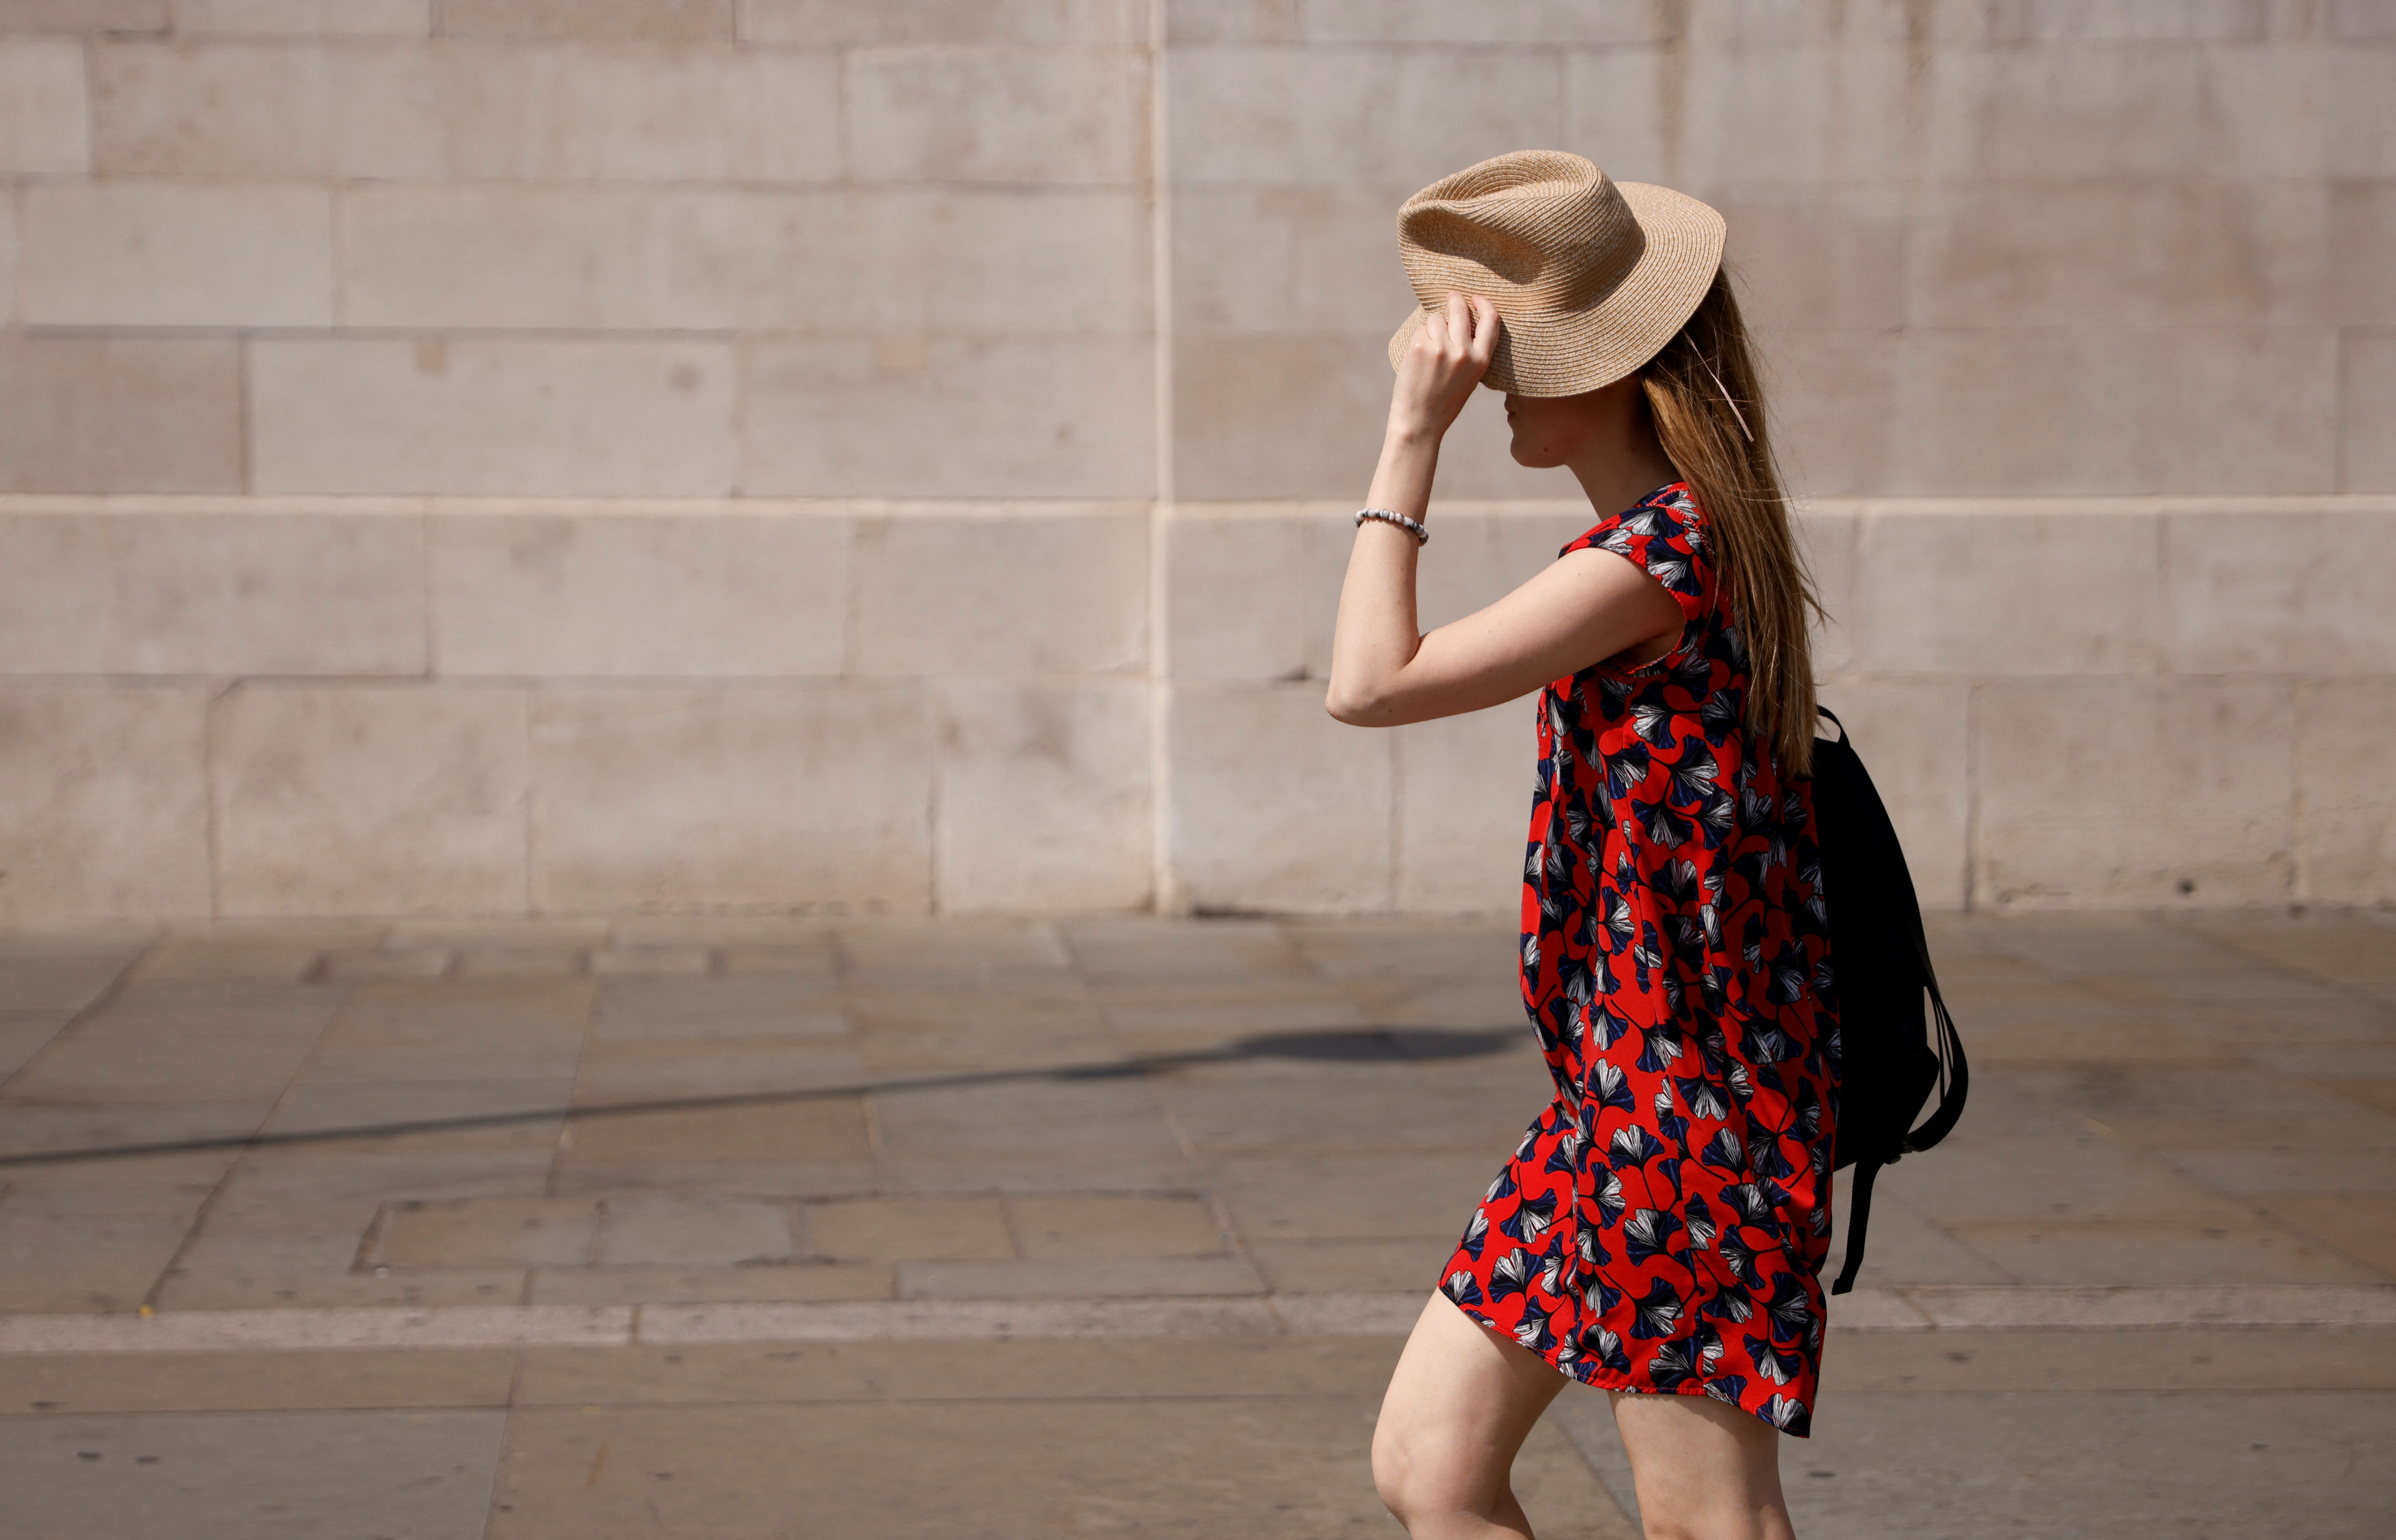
[[1664, 533]]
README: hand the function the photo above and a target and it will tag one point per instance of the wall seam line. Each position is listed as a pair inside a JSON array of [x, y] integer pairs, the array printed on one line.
[[1164, 894]]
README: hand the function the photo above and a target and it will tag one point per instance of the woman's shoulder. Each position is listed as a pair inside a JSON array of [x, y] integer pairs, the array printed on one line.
[[1669, 514], [1663, 533]]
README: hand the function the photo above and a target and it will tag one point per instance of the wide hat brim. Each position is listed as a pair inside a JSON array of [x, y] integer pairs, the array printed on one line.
[[1561, 352]]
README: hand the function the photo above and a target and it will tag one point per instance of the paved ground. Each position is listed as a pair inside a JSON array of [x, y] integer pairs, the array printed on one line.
[[734, 1229]]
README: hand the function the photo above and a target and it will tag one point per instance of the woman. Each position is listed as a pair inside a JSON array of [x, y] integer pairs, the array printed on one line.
[[1659, 1231]]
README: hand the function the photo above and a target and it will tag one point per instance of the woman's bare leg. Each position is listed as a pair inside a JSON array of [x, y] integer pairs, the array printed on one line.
[[1705, 1471], [1460, 1403]]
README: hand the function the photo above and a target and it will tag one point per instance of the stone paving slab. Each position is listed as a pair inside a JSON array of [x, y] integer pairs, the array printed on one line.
[[284, 1380], [248, 1475]]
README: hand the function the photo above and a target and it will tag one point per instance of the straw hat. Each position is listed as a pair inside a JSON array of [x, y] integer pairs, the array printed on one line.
[[1593, 276]]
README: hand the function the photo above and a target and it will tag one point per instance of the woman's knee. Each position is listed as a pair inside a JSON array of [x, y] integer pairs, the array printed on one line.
[[1411, 1485], [1394, 1471]]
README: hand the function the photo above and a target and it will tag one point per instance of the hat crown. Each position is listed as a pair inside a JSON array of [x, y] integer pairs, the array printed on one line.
[[1538, 230], [1592, 276]]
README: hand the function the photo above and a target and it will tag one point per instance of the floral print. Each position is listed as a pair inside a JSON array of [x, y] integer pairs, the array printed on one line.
[[1662, 1225]]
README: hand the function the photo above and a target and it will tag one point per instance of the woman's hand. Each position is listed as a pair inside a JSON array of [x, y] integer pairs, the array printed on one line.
[[1442, 363]]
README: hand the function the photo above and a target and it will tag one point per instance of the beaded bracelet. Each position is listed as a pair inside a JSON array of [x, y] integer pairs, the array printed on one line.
[[1412, 526]]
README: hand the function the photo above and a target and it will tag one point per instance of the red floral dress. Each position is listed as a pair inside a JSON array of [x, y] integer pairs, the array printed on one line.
[[1662, 1225]]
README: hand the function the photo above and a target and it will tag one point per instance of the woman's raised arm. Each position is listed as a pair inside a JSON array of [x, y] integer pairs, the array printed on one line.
[[1586, 607]]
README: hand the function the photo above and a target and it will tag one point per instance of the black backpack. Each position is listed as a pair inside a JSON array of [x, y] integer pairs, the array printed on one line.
[[1880, 966]]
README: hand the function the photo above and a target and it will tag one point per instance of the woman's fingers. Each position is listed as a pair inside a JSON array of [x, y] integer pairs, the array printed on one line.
[[1485, 325], [1450, 353]]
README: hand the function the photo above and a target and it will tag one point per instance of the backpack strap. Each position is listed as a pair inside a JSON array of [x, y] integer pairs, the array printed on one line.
[[1858, 1220], [1954, 1076]]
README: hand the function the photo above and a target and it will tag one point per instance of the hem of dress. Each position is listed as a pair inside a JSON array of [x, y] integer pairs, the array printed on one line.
[[1601, 1378]]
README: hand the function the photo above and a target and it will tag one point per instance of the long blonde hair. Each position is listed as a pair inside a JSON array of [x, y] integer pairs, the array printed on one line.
[[1707, 404]]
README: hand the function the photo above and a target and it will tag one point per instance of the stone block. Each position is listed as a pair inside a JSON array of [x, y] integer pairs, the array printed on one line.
[[484, 1232], [1833, 405], [73, 16], [2359, 82], [520, 961], [2102, 794], [1079, 1280], [88, 414], [1762, 24], [1235, 593], [1231, 20], [1273, 805], [162, 254], [521, 416], [1476, 461], [1041, 23], [731, 798], [428, 1472], [1827, 541], [44, 120], [677, 20], [1044, 797], [1250, 260], [1021, 116], [2209, 410], [2346, 819], [906, 262], [370, 800], [683, 1285], [2107, 22], [304, 17], [1619, 111], [1817, 259], [2354, 20], [1463, 802], [2025, 592], [1003, 591], [2191, 253], [2366, 404], [908, 1230], [1914, 735], [2363, 253], [1783, 115], [2065, 112], [2282, 594], [494, 256], [1486, 555], [1330, 541], [595, 592], [1238, 402], [606, 112], [1114, 1226], [662, 1009], [656, 1229], [1356, 116], [213, 110], [1021, 416], [106, 801], [211, 593], [1516, 22]]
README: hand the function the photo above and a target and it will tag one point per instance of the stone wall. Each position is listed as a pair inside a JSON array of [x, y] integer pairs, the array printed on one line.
[[491, 456]]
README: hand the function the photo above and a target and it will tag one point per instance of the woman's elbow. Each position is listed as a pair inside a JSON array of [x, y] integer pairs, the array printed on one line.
[[1347, 705], [1356, 708]]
